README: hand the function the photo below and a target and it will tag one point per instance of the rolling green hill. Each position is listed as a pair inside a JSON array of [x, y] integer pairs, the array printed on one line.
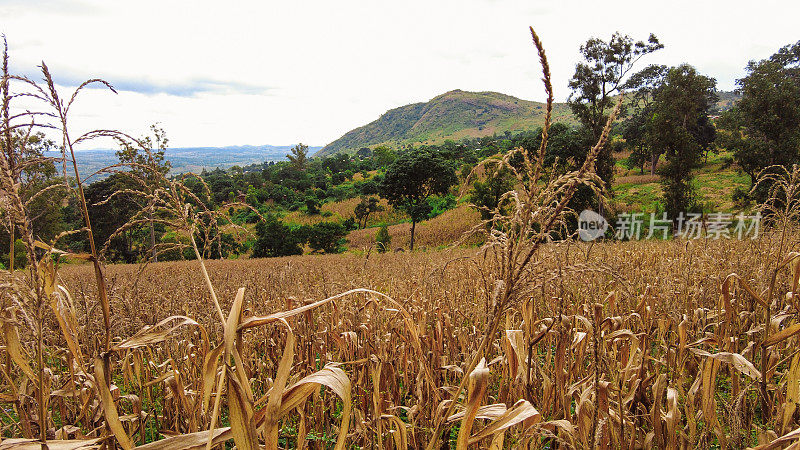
[[453, 115]]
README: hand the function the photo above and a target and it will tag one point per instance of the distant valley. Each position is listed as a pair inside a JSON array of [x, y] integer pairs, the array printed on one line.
[[191, 159]]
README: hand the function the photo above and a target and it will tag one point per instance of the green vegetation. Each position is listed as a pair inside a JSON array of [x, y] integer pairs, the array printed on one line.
[[413, 179], [383, 241], [598, 78]]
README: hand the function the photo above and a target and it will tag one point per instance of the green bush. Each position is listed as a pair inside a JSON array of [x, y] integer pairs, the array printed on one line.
[[177, 253], [383, 240], [20, 256], [328, 237], [312, 205], [441, 204], [274, 238]]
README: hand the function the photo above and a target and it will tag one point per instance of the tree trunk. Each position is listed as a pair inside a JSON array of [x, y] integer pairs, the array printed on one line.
[[413, 225], [653, 162], [641, 166]]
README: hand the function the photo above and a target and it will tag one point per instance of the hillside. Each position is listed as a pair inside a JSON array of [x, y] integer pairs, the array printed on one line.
[[453, 115], [726, 100]]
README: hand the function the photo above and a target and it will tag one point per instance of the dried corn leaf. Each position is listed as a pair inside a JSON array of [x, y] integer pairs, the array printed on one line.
[[522, 411], [478, 381], [15, 349], [210, 365], [271, 424], [191, 441], [785, 333], [157, 333], [241, 417], [33, 444], [738, 361], [331, 377], [109, 408], [791, 437], [399, 432]]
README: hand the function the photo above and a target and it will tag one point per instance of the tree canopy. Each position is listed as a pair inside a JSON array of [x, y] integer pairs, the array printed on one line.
[[763, 128], [679, 126], [601, 75], [414, 177]]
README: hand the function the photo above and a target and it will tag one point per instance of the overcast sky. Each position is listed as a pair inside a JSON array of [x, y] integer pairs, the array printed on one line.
[[267, 72]]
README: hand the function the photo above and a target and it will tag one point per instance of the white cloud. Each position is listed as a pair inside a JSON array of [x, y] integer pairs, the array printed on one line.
[[256, 72]]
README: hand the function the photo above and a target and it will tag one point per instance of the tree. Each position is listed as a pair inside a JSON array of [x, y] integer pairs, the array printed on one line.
[[567, 148], [110, 207], [680, 128], [148, 154], [364, 152], [486, 194], [147, 161], [412, 178], [39, 186], [763, 128], [367, 206], [598, 78], [383, 156], [298, 157], [312, 205], [643, 84]]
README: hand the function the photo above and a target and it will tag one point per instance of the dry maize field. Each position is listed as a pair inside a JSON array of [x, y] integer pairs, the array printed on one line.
[[616, 345]]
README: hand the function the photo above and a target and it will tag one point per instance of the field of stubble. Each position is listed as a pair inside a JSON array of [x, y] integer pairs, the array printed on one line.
[[624, 345]]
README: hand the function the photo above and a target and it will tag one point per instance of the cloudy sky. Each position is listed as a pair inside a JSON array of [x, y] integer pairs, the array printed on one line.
[[280, 72]]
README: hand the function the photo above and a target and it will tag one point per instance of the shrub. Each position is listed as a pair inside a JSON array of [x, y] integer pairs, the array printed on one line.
[[441, 204], [349, 223], [327, 237], [312, 205], [383, 240], [367, 187], [177, 253], [274, 238]]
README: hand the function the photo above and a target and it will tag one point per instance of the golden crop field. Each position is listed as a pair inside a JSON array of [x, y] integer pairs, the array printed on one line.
[[442, 230], [344, 210], [645, 318]]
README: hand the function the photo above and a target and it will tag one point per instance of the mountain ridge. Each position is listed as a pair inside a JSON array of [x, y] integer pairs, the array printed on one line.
[[455, 115]]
